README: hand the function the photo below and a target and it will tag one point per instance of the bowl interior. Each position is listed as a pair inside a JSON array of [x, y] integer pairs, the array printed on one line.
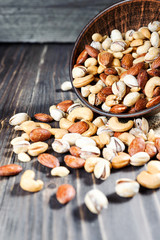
[[122, 16]]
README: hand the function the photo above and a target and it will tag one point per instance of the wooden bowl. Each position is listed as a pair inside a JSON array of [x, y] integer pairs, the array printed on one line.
[[122, 16]]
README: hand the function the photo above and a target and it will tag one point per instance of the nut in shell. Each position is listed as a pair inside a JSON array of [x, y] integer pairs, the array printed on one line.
[[108, 153], [130, 81], [139, 159], [79, 71], [85, 141], [89, 151], [102, 170], [119, 89], [95, 201], [142, 124], [71, 138], [126, 187], [60, 146], [131, 98], [19, 118], [116, 144], [57, 114]]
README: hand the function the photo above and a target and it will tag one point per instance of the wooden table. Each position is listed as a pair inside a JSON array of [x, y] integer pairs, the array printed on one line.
[[30, 80]]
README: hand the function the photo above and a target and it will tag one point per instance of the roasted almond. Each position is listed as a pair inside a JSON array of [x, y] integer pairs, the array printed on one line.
[[105, 58], [140, 104], [116, 134], [10, 170], [142, 78], [110, 71], [119, 108], [65, 193], [78, 127], [134, 70], [127, 61], [82, 57], [154, 72], [151, 149], [107, 90], [154, 101], [101, 96], [156, 92], [137, 145], [63, 106], [132, 110], [157, 144], [39, 134], [103, 77], [48, 160], [74, 162], [43, 117], [75, 151], [156, 63], [91, 51]]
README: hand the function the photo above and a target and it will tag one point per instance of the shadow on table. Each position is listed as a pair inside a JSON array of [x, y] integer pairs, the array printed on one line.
[[82, 213], [54, 204], [18, 191], [114, 198]]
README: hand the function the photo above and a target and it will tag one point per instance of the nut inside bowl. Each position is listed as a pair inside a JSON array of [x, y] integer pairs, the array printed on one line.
[[122, 16]]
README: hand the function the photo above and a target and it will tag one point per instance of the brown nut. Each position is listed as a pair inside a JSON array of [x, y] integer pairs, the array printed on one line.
[[154, 101], [140, 104], [134, 70], [78, 127], [43, 117], [92, 51], [48, 160], [154, 72], [110, 71], [105, 58], [63, 106], [82, 57], [120, 160], [156, 92], [103, 77], [75, 151], [156, 63], [119, 108], [157, 144], [127, 61], [10, 170], [142, 78], [39, 134], [65, 193], [151, 149], [74, 162], [137, 145]]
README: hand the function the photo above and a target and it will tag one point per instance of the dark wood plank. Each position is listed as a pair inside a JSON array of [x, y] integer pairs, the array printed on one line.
[[30, 79]]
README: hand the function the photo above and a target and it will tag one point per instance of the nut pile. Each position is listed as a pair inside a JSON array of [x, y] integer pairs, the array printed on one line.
[[95, 144], [121, 73]]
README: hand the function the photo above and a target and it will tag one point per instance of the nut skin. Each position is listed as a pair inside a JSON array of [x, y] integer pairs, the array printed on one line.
[[110, 71], [74, 162], [92, 51], [82, 57], [134, 70], [103, 77], [65, 193], [156, 63], [157, 144], [132, 110], [154, 101], [43, 117], [119, 108], [105, 58], [142, 78], [39, 134], [151, 149], [48, 160], [63, 106], [78, 127], [137, 145], [75, 151], [127, 61], [154, 72], [156, 92], [140, 104], [10, 170], [117, 134]]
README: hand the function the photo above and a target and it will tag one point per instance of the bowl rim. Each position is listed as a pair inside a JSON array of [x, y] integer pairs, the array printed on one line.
[[148, 111]]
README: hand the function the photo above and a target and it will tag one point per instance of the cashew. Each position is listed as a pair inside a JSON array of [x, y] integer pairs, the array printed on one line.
[[138, 60], [150, 86], [126, 138], [28, 183], [110, 79], [101, 140], [96, 88], [138, 35], [90, 62], [100, 69], [98, 122], [65, 123], [105, 108], [144, 48], [148, 180], [80, 113], [92, 98], [111, 100], [106, 43], [92, 70], [116, 126], [145, 32], [81, 82], [85, 91], [91, 162], [58, 132], [91, 130]]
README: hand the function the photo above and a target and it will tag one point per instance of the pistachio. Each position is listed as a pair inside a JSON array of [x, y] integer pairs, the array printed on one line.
[[108, 153], [139, 159], [66, 86], [89, 151], [126, 187], [154, 26], [71, 138], [116, 144], [85, 141], [79, 71], [102, 170], [119, 89], [130, 81], [18, 119], [60, 146], [57, 114]]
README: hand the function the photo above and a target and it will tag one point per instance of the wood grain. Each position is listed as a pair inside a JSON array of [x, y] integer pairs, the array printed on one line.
[[31, 76]]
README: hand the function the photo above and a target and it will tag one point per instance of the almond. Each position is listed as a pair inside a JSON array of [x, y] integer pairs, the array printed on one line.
[[82, 57], [127, 61], [154, 72], [154, 101], [48, 160], [39, 134], [110, 71], [78, 127], [142, 78], [119, 108], [140, 104], [134, 70], [150, 149], [103, 77], [101, 96], [65, 193], [75, 151], [105, 58], [63, 106], [116, 134], [157, 144], [156, 63], [74, 162], [156, 92], [137, 145], [43, 117], [92, 51], [10, 170], [132, 110]]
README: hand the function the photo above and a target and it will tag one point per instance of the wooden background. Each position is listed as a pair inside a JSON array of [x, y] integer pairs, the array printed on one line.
[[46, 21]]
